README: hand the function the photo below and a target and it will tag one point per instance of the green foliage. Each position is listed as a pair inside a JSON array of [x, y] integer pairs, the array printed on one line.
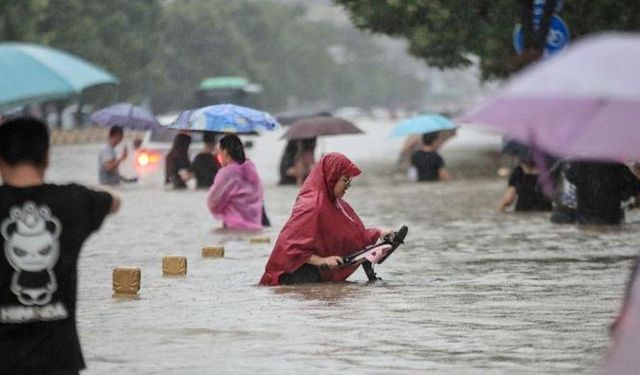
[[276, 47], [162, 49], [19, 19], [268, 44], [446, 33], [120, 35]]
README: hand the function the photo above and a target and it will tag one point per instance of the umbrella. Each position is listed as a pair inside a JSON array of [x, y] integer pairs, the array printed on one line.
[[31, 73], [290, 118], [584, 102], [623, 354], [423, 124], [224, 118], [316, 126], [224, 83], [127, 116]]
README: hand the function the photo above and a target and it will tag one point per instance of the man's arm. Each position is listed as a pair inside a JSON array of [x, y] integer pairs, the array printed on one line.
[[508, 198], [116, 202], [443, 174], [113, 164]]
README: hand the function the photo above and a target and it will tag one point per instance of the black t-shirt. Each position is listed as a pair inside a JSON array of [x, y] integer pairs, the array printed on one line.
[[530, 195], [428, 163], [204, 167], [600, 188], [42, 231]]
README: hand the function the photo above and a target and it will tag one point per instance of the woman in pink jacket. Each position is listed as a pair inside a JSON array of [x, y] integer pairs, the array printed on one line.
[[236, 195]]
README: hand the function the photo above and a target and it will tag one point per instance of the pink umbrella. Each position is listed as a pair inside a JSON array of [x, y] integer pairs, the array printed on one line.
[[623, 355], [582, 103]]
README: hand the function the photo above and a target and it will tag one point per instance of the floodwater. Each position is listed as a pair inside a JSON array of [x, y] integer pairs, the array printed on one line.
[[471, 291]]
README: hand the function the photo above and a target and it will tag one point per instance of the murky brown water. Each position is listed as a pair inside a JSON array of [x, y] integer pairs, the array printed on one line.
[[472, 291]]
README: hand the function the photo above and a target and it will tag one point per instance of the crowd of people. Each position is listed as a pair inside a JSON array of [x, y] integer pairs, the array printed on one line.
[[584, 192], [44, 226], [578, 191]]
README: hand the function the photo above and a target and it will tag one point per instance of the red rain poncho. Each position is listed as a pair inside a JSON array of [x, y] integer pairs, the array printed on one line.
[[320, 224]]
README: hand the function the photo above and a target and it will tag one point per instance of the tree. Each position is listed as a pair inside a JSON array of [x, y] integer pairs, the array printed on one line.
[[447, 33], [264, 42], [164, 49], [277, 47], [120, 35], [19, 19]]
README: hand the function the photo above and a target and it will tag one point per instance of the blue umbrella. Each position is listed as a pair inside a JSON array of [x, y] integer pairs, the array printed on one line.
[[225, 118], [30, 73], [127, 116], [423, 124]]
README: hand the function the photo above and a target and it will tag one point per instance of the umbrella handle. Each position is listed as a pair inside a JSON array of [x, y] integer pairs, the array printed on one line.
[[548, 187]]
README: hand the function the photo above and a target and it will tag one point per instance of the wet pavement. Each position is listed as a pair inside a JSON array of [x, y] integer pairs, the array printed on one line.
[[471, 291]]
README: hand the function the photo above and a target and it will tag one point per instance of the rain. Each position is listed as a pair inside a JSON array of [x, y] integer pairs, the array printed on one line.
[[250, 166]]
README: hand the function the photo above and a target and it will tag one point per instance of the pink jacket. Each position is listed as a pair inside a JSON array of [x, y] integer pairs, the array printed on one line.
[[236, 196]]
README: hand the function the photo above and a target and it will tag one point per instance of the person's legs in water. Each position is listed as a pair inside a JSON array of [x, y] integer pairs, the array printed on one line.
[[304, 275], [563, 215], [265, 219], [311, 274]]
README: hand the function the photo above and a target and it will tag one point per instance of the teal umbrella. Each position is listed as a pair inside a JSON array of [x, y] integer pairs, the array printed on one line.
[[423, 124], [31, 73]]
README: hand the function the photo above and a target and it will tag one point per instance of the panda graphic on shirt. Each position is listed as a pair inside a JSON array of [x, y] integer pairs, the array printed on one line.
[[32, 249]]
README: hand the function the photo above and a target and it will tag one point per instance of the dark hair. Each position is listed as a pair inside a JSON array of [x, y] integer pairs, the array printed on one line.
[[527, 159], [209, 137], [429, 138], [115, 130], [308, 144], [233, 145], [24, 140], [180, 147], [291, 149]]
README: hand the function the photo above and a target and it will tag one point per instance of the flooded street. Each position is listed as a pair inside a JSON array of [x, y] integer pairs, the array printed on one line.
[[471, 291]]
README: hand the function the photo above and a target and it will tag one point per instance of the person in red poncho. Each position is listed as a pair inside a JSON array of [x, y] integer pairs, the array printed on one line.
[[321, 230]]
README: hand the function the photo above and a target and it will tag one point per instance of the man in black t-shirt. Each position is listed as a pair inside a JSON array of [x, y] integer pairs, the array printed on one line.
[[525, 189], [42, 230], [428, 163], [205, 165], [600, 189]]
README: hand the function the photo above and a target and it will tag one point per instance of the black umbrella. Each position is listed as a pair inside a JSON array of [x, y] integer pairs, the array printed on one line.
[[291, 117], [319, 126]]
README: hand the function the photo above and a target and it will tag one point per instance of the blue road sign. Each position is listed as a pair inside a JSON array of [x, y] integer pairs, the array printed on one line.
[[557, 39], [538, 11]]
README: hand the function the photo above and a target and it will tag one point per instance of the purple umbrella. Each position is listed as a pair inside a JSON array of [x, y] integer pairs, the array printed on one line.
[[127, 116], [623, 355], [581, 103], [316, 126]]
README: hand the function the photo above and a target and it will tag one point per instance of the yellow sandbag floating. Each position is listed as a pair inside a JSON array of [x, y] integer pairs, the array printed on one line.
[[213, 251], [126, 281], [174, 266], [260, 239]]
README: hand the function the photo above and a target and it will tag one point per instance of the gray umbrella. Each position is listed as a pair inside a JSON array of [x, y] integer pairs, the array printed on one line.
[[319, 126], [127, 116]]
